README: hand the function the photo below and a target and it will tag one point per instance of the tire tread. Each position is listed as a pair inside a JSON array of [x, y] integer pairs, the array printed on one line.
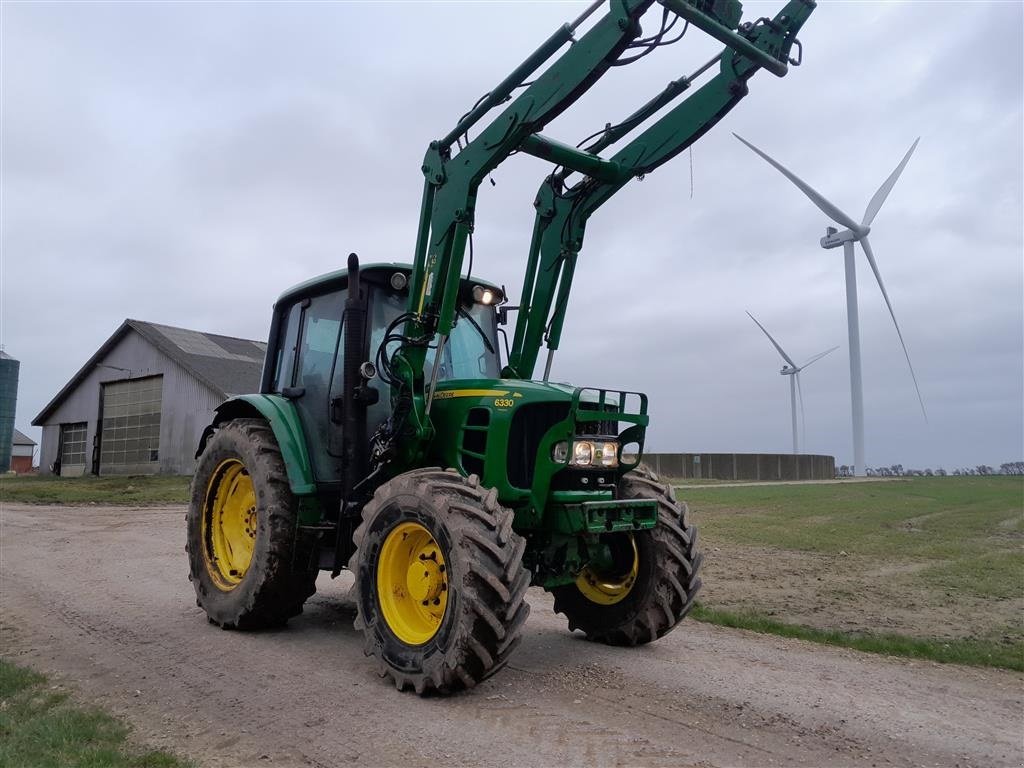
[[284, 584], [492, 590]]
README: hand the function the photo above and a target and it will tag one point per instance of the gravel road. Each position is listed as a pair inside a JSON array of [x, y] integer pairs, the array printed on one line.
[[99, 598]]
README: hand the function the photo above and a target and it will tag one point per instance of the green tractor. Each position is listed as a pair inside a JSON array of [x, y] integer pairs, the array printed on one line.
[[391, 435]]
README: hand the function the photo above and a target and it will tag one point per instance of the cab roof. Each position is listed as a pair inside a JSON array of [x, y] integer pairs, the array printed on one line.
[[339, 278]]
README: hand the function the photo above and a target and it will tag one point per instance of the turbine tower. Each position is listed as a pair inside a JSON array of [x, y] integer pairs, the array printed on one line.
[[854, 233], [792, 370]]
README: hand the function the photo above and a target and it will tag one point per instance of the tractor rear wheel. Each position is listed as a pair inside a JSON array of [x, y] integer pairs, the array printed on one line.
[[439, 582], [650, 582], [249, 567]]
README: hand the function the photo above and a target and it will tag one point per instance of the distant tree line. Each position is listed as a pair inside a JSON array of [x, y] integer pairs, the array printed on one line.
[[897, 470]]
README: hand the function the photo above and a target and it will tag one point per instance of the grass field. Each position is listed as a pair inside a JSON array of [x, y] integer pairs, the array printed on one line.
[[46, 489], [40, 726], [930, 567]]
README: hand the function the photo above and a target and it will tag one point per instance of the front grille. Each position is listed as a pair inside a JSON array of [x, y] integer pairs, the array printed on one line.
[[529, 423], [474, 440]]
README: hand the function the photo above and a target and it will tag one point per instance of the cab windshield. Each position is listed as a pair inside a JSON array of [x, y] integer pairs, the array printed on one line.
[[472, 348]]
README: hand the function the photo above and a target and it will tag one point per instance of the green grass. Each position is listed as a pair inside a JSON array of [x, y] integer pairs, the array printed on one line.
[[924, 517], [975, 652], [972, 529], [40, 728], [946, 541], [45, 489]]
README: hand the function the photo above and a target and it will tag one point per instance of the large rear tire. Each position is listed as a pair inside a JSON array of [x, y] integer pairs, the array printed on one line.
[[653, 579], [249, 566], [439, 581]]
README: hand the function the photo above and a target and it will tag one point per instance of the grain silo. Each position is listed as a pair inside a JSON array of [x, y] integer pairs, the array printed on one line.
[[8, 401]]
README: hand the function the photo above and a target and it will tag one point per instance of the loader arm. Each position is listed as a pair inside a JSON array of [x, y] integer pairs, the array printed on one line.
[[563, 211], [455, 165], [450, 185]]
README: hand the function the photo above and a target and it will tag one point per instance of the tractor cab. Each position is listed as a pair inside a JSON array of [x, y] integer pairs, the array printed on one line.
[[306, 350]]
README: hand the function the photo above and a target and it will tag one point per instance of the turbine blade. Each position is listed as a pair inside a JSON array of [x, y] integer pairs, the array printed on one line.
[[818, 357], [785, 357], [883, 191], [826, 207], [874, 268], [803, 420]]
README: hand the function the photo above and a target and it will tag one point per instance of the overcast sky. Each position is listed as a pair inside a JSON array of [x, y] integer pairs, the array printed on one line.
[[183, 163]]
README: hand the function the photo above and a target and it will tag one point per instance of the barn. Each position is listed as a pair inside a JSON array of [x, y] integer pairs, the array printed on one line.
[[23, 451], [141, 402]]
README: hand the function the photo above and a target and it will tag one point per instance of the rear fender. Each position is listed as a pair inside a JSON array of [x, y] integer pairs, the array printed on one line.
[[280, 413]]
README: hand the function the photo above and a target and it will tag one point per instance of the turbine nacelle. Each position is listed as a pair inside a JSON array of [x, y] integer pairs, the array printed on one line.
[[834, 238]]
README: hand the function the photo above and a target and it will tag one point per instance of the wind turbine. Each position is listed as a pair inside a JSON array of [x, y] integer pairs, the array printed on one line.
[[792, 370], [854, 233]]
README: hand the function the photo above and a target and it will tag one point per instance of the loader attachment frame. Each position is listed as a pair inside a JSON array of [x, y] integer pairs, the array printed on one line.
[[455, 165]]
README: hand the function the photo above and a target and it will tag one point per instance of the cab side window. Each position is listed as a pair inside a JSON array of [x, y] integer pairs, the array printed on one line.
[[321, 328], [287, 344]]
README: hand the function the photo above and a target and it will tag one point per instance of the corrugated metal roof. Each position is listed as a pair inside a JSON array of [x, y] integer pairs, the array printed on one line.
[[20, 438], [226, 364]]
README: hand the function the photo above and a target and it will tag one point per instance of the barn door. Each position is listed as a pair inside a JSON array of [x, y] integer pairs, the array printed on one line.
[[130, 428]]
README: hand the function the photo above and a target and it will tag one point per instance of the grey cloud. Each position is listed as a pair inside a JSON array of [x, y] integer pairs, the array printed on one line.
[[184, 163]]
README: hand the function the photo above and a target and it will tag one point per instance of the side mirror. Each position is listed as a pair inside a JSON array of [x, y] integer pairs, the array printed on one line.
[[503, 313]]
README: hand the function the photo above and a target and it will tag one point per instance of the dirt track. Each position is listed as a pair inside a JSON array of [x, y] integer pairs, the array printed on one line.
[[99, 597]]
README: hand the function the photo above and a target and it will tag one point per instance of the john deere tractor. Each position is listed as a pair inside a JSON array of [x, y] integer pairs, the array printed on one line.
[[400, 433]]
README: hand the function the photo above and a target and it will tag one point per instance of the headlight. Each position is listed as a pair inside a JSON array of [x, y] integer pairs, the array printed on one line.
[[582, 453], [609, 455], [588, 453], [482, 295]]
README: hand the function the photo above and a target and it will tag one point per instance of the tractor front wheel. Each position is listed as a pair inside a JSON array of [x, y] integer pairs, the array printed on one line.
[[439, 581], [647, 584], [249, 567]]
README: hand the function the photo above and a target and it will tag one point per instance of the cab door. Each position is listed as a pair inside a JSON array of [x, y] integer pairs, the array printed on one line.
[[319, 353]]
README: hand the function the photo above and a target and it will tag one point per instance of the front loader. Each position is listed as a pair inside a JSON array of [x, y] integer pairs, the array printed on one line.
[[391, 437]]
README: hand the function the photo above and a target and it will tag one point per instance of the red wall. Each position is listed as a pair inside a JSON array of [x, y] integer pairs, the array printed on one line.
[[21, 464]]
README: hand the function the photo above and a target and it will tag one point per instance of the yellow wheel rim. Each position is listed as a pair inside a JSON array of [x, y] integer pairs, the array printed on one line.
[[412, 583], [230, 523], [607, 588]]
